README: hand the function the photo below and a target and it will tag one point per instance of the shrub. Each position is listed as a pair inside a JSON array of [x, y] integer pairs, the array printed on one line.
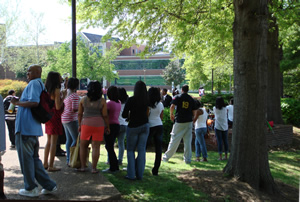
[[290, 111], [7, 84], [210, 99], [167, 124]]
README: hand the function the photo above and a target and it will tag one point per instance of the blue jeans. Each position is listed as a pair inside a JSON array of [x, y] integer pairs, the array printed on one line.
[[156, 133], [121, 138], [71, 131], [200, 145], [31, 166], [222, 138], [136, 138]]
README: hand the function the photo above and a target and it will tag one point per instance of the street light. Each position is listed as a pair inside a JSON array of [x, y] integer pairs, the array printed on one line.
[[145, 76]]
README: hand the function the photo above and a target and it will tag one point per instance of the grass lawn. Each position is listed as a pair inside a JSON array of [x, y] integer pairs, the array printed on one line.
[[166, 187]]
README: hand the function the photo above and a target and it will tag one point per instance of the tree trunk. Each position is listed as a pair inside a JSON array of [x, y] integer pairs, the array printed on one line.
[[249, 156], [273, 74]]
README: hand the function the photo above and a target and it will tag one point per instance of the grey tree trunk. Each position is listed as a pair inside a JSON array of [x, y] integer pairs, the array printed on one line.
[[273, 74], [248, 159]]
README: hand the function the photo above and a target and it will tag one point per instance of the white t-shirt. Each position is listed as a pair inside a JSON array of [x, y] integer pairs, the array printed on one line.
[[221, 122], [230, 112], [201, 121], [121, 119], [154, 116]]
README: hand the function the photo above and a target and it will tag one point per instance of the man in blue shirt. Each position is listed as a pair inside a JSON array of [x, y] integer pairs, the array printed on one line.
[[27, 132], [182, 128]]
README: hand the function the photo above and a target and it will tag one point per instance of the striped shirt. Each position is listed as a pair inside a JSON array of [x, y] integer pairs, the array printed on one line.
[[71, 103]]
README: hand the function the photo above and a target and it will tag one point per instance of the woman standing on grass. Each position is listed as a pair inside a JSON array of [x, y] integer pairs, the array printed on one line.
[[113, 110], [69, 117], [221, 126], [54, 126], [136, 111], [93, 122], [156, 126], [200, 121]]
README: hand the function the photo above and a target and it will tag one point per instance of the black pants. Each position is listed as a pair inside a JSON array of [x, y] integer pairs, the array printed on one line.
[[156, 133], [11, 130], [109, 145]]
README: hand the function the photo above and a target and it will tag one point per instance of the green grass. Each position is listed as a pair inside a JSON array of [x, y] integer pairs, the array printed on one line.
[[166, 187]]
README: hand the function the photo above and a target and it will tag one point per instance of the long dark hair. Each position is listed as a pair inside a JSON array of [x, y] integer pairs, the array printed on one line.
[[140, 93], [113, 94], [52, 82], [73, 83], [94, 90], [220, 103], [153, 96], [122, 95]]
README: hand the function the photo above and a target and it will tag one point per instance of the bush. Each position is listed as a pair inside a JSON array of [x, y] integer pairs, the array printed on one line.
[[210, 99], [290, 111], [167, 124], [7, 84]]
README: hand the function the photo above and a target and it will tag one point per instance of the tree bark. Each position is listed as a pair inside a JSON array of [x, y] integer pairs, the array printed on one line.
[[273, 74], [248, 159]]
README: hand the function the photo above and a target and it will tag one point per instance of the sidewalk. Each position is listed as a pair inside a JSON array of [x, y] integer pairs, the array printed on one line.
[[71, 185]]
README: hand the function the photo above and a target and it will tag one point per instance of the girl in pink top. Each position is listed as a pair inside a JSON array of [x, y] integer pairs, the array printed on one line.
[[113, 110]]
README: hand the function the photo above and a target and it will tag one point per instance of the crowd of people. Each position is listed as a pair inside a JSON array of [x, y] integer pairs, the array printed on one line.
[[97, 121]]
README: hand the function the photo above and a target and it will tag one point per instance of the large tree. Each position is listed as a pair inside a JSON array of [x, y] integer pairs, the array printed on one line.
[[249, 156]]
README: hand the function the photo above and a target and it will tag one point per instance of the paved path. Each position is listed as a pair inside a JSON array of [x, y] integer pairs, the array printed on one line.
[[71, 185]]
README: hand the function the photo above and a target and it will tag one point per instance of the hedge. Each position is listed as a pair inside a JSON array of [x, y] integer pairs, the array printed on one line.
[[8, 84], [290, 109]]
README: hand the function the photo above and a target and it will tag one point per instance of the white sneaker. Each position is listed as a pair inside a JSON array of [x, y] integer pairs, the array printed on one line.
[[45, 191], [165, 160], [31, 193]]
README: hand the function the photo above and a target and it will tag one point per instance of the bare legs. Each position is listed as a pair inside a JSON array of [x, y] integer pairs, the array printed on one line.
[[50, 149], [95, 154]]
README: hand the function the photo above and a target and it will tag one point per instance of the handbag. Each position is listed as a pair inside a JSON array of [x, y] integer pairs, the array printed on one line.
[[74, 161]]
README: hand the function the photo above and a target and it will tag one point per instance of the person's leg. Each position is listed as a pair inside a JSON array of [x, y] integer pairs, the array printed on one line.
[[2, 195], [11, 131], [121, 145], [187, 140], [176, 136], [83, 152], [132, 139], [197, 145], [95, 155], [218, 134], [202, 132], [225, 141], [52, 153], [46, 151], [157, 134], [71, 131], [141, 149], [41, 175], [109, 145]]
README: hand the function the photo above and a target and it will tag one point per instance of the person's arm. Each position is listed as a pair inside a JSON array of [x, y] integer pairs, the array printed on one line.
[[58, 99], [74, 106], [161, 114], [16, 101], [172, 117], [197, 113], [105, 115], [80, 114]]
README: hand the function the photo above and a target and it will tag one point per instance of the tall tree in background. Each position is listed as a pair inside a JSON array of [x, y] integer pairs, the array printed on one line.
[[90, 61], [8, 27], [173, 73]]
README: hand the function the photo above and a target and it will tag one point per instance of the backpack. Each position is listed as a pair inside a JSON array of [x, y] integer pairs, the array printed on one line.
[[6, 103], [43, 112]]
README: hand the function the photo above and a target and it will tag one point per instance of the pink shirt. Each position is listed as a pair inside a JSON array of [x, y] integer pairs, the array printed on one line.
[[71, 103], [113, 109]]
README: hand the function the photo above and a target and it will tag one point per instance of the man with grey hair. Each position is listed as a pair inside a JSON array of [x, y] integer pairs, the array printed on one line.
[[28, 130], [182, 128]]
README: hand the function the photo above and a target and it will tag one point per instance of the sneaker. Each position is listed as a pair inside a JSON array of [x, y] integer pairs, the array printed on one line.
[[45, 191], [165, 160], [31, 193]]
